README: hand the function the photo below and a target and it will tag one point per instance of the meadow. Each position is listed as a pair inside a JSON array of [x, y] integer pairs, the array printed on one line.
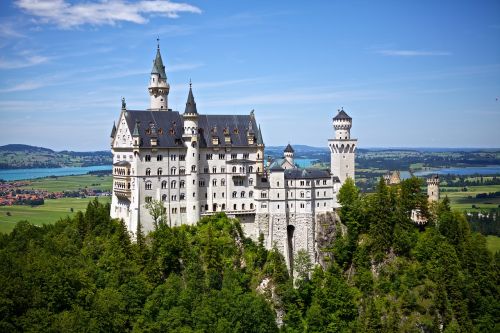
[[463, 200], [71, 183]]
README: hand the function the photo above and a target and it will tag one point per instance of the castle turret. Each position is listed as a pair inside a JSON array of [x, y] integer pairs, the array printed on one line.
[[190, 138], [289, 153], [433, 188], [342, 148], [158, 86]]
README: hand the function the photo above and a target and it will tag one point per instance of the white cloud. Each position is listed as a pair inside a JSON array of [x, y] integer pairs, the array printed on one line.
[[24, 86], [68, 15], [412, 53], [23, 61], [7, 29]]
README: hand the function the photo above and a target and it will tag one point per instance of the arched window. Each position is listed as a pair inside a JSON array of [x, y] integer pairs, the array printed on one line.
[[173, 183], [164, 184], [214, 182], [242, 194], [222, 182], [235, 194], [160, 171], [234, 169], [193, 168], [250, 181], [182, 171], [164, 197], [250, 169], [242, 206], [251, 206], [148, 185], [223, 207], [250, 194], [182, 183], [173, 170], [148, 172], [159, 158]]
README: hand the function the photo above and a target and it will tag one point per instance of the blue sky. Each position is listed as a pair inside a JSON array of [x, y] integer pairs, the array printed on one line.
[[410, 73]]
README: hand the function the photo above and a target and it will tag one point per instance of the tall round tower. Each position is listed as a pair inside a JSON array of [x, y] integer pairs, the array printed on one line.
[[158, 86], [191, 141], [342, 148], [433, 188]]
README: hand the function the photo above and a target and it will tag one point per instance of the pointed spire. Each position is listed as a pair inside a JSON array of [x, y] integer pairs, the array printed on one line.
[[190, 104], [289, 149], [136, 129], [158, 67], [113, 131]]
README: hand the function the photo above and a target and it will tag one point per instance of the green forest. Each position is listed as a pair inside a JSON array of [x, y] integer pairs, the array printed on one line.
[[385, 274]]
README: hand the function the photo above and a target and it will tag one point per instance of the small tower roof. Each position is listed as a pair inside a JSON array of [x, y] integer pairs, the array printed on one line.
[[158, 67], [342, 115], [289, 149], [113, 131], [136, 129], [190, 104]]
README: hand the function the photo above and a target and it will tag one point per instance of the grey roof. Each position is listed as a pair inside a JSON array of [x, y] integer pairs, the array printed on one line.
[[289, 149], [240, 161], [122, 163], [168, 127], [342, 115], [113, 131], [190, 103], [158, 67], [307, 173], [236, 126]]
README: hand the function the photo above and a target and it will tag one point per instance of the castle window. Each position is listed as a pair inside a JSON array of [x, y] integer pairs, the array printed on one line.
[[147, 158], [159, 172], [182, 183], [173, 170], [148, 185], [164, 197], [234, 207], [194, 195], [278, 195], [324, 182], [222, 169], [243, 207], [209, 156], [277, 184], [201, 183], [250, 169], [250, 181], [214, 170], [250, 194], [223, 207], [301, 205], [234, 156], [242, 194], [301, 194], [159, 157], [148, 172], [317, 205], [164, 184], [251, 206], [263, 195], [223, 194], [222, 156], [245, 156], [222, 182], [148, 199], [173, 184], [182, 157], [234, 194], [174, 210], [174, 198], [214, 182], [234, 169], [183, 209], [301, 183], [173, 157], [182, 196], [193, 168], [215, 195], [182, 171], [205, 170]]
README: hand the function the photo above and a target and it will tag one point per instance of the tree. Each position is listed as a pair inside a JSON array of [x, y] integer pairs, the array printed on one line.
[[303, 264], [158, 212]]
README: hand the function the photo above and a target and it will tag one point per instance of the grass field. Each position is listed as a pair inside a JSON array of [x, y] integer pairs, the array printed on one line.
[[493, 243], [460, 200], [50, 212], [72, 183]]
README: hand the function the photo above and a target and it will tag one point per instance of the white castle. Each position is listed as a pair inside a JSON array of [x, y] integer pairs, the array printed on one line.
[[199, 165]]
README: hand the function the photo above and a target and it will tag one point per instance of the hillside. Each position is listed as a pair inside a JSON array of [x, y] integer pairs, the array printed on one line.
[[384, 275], [18, 156]]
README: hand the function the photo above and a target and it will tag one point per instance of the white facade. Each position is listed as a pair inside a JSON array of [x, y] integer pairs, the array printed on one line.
[[203, 164]]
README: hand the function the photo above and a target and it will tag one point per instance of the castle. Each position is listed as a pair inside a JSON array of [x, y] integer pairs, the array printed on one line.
[[199, 165]]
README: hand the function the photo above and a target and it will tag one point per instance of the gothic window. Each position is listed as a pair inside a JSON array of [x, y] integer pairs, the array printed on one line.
[[159, 158], [173, 184], [250, 169], [182, 183], [242, 194], [148, 199], [234, 169], [250, 194], [164, 184], [214, 169], [182, 171], [234, 194], [160, 171], [301, 194], [182, 157], [147, 158], [174, 198], [148, 172], [222, 182], [193, 168], [214, 182], [250, 181], [182, 196], [243, 207], [251, 206], [148, 185], [173, 170], [164, 197]]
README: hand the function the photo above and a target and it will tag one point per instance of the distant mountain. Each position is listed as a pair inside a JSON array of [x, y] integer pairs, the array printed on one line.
[[25, 148], [18, 156]]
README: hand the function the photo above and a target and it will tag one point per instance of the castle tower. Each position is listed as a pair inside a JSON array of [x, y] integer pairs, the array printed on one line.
[[433, 188], [191, 141], [289, 153], [158, 86], [342, 148]]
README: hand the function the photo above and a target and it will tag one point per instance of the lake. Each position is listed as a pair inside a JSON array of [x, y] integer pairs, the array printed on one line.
[[487, 170], [18, 174], [305, 162]]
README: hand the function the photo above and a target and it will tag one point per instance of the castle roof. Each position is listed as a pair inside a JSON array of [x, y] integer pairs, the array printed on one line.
[[310, 173], [342, 116], [190, 104], [289, 149], [169, 127], [158, 67], [113, 131]]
